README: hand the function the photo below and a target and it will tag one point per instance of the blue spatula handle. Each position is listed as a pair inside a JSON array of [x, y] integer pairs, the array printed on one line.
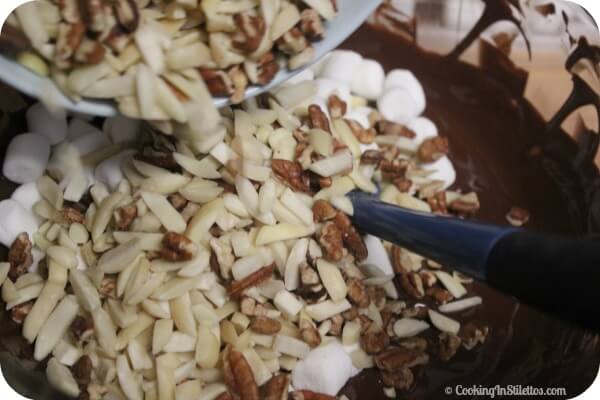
[[558, 275]]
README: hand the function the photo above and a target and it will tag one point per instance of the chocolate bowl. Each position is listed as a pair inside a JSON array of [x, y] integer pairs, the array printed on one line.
[[503, 148]]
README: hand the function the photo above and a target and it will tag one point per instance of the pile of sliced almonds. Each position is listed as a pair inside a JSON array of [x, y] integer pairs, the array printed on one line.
[[214, 267]]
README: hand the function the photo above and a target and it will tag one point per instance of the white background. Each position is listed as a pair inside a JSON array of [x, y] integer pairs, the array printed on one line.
[[6, 6]]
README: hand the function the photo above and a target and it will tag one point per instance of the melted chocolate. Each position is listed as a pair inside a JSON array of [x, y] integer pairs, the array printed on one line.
[[503, 149]]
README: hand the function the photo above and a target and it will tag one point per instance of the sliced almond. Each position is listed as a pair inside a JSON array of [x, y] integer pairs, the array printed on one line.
[[452, 284], [460, 305], [332, 279], [409, 327], [443, 323]]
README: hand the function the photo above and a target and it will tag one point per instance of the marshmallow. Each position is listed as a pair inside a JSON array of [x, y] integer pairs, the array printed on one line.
[[317, 67], [15, 220], [121, 129], [378, 256], [398, 105], [91, 142], [65, 161], [325, 370], [327, 87], [443, 171], [306, 75], [403, 78], [26, 157], [79, 127], [368, 79], [27, 195], [341, 66], [360, 115], [52, 125], [109, 171], [424, 128]]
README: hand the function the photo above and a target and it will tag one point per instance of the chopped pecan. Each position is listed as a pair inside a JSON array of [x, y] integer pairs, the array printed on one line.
[[412, 285], [331, 242], [276, 388], [311, 25], [225, 396], [93, 14], [397, 261], [433, 149], [82, 371], [108, 287], [352, 239], [251, 29], [68, 40], [473, 334], [337, 107], [429, 279], [317, 119], [263, 71], [415, 312], [438, 204], [12, 40], [357, 293], [238, 375], [218, 82], [71, 215], [364, 136], [292, 42], [517, 216], [265, 326], [414, 343], [82, 328], [19, 313], [393, 169], [377, 295], [374, 341], [89, 52], [256, 278], [402, 184], [128, 14], [308, 395], [351, 314], [124, 216], [365, 323], [325, 182], [309, 333], [400, 357], [308, 276], [394, 129], [448, 345], [441, 296], [19, 256], [401, 379], [465, 205], [337, 324], [323, 211], [177, 247], [371, 157], [291, 174], [177, 201]]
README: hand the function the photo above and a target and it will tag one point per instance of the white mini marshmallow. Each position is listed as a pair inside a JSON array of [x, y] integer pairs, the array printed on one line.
[[27, 195], [325, 370], [368, 79], [15, 219], [109, 171], [378, 256], [398, 105], [91, 142], [327, 87], [360, 115], [306, 75], [317, 67], [79, 127], [424, 128], [443, 171], [121, 129], [341, 66], [52, 125], [403, 78], [26, 157]]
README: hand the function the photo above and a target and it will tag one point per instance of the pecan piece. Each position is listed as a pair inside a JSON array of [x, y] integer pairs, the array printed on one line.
[[12, 40], [433, 149], [292, 42], [429, 279], [68, 40], [276, 388], [128, 14], [357, 293], [317, 119], [256, 278], [265, 325], [311, 25], [403, 184], [337, 107], [518, 216], [415, 312], [448, 345], [262, 71], [371, 157], [82, 328], [412, 285], [364, 136], [19, 256], [473, 334], [441, 296], [124, 216], [309, 333], [108, 287], [20, 312], [400, 357], [337, 324], [225, 396], [352, 239], [308, 395], [71, 215], [465, 205], [374, 341], [177, 201], [323, 211], [251, 29], [238, 375], [177, 247], [82, 371], [218, 82], [332, 242], [394, 129], [398, 262], [401, 379], [93, 14], [393, 169], [438, 204], [291, 174], [378, 296]]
